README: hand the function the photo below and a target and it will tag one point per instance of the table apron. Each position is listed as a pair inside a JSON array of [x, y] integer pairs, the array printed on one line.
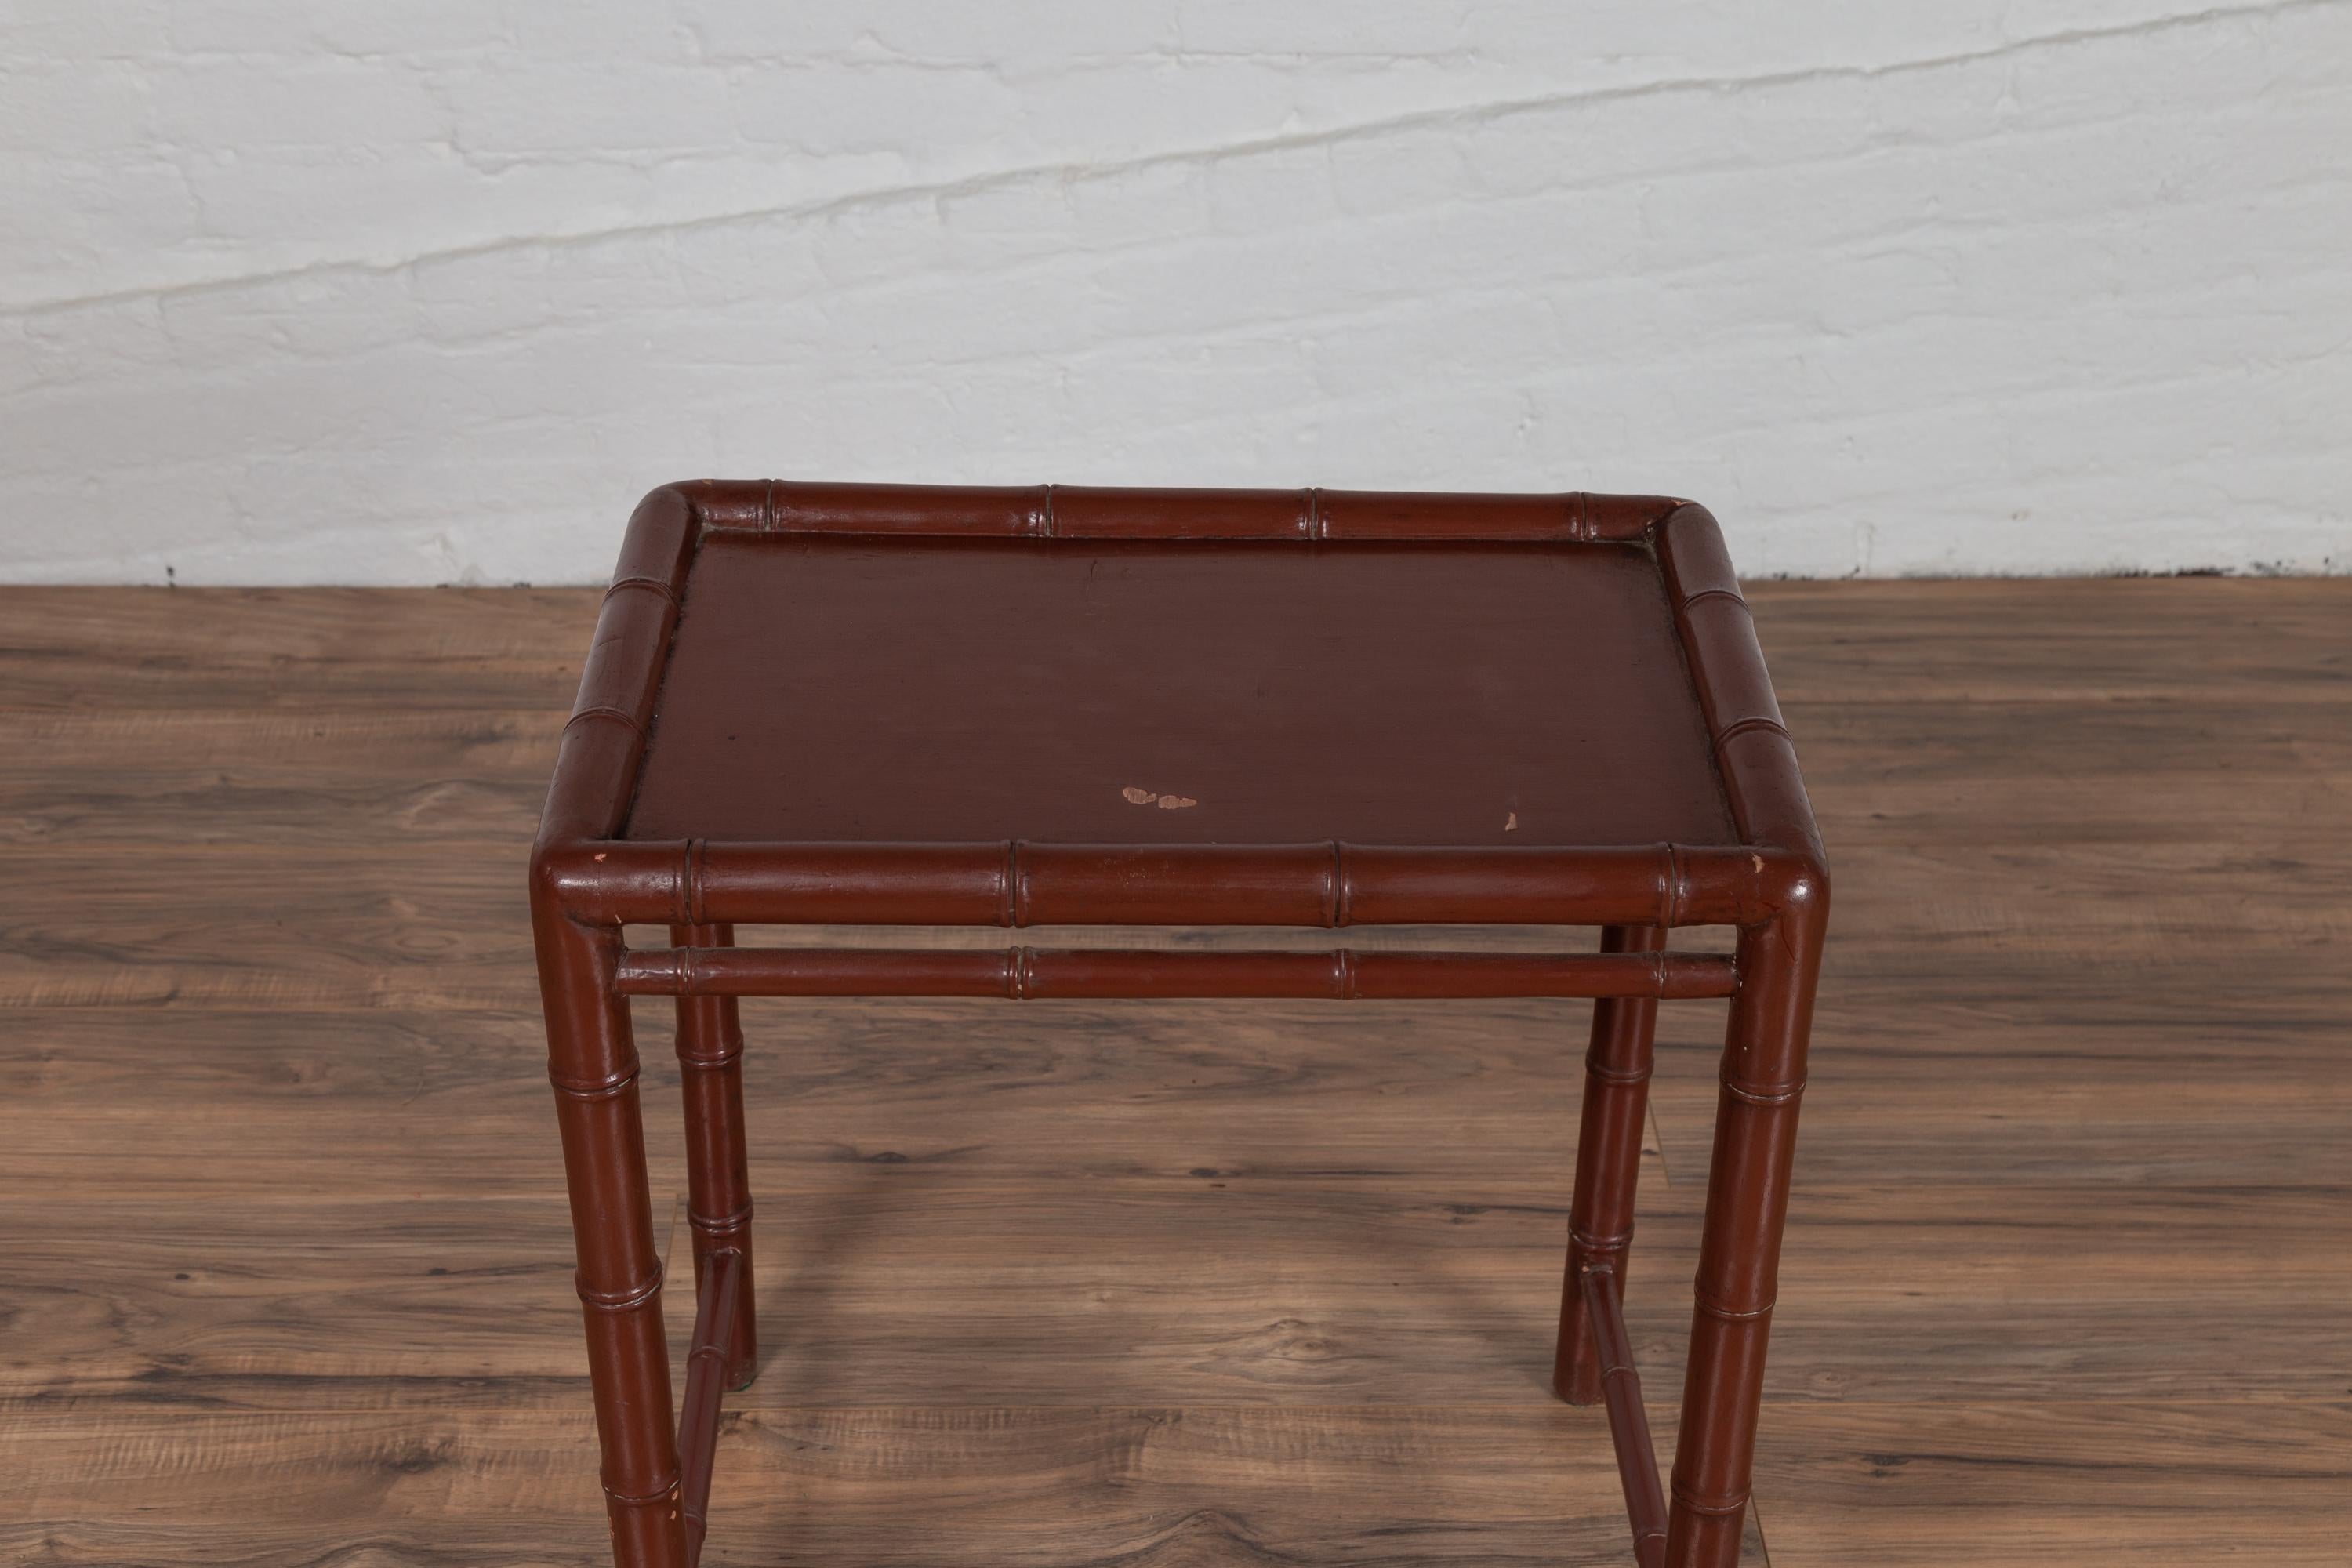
[[1019, 973]]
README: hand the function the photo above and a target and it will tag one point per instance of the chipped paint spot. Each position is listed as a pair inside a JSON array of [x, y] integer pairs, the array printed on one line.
[[600, 857], [1135, 795], [1139, 796], [1758, 860], [1511, 823], [1176, 802]]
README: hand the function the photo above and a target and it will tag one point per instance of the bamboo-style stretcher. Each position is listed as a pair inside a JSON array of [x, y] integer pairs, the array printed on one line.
[[642, 757]]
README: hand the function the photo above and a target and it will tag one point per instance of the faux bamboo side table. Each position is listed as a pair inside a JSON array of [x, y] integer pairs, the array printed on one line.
[[877, 705]]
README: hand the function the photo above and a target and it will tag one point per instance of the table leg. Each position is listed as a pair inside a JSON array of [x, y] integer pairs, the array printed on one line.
[[1607, 1162], [592, 1060], [717, 1170], [1763, 1074]]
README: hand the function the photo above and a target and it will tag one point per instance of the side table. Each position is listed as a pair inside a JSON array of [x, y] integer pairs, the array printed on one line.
[[894, 705]]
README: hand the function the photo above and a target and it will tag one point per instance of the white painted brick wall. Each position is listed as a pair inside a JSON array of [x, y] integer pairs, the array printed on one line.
[[338, 290]]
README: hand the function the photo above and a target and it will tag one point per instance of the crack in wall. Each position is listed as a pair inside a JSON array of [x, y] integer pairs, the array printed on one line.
[[983, 182]]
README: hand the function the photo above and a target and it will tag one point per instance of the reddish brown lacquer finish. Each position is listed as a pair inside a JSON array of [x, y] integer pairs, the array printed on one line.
[[858, 705], [717, 1172], [1607, 1162]]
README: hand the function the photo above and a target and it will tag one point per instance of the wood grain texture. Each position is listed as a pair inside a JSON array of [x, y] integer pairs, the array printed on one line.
[[1169, 1487], [2038, 1481], [1178, 1283]]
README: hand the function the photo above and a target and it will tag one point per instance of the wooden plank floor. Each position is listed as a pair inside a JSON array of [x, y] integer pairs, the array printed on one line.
[[286, 1258]]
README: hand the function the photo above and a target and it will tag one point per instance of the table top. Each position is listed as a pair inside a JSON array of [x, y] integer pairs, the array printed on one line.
[[907, 705], [864, 687]]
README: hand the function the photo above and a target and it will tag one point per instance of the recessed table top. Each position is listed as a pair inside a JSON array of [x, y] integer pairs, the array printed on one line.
[[869, 687]]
